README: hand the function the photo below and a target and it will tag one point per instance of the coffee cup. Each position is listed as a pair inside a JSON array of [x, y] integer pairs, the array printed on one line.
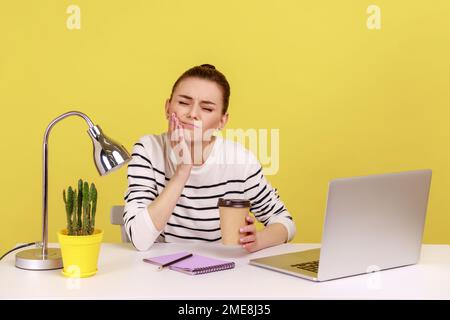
[[233, 214]]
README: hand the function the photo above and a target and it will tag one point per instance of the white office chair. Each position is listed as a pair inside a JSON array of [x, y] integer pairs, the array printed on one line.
[[117, 219]]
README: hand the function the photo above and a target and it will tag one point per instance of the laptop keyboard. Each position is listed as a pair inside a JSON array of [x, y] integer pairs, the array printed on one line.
[[312, 266]]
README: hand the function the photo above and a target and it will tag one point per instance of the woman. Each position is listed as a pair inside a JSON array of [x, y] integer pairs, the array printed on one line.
[[175, 179]]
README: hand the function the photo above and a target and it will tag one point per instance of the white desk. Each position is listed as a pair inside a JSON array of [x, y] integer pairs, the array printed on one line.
[[123, 275]]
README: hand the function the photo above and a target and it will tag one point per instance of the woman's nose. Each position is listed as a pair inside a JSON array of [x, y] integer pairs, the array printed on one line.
[[193, 113]]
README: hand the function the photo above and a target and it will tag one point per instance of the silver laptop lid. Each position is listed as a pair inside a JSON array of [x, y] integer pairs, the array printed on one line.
[[373, 223]]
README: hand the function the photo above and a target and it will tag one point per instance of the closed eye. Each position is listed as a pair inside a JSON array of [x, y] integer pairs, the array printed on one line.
[[181, 102], [208, 110]]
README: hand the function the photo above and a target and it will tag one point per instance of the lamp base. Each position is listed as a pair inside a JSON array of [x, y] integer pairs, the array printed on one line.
[[33, 259]]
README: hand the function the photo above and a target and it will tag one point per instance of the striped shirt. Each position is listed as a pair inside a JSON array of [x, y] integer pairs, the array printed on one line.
[[230, 171]]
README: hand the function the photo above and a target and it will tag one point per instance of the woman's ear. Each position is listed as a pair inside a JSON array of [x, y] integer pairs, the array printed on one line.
[[167, 108], [223, 121]]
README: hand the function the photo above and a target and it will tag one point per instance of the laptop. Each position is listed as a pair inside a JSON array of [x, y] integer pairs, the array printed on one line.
[[372, 223]]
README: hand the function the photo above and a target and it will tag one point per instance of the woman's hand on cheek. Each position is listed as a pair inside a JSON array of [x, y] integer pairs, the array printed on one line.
[[172, 128], [249, 240], [179, 145]]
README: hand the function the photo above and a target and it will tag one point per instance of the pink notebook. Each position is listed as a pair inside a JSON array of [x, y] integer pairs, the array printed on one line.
[[196, 264]]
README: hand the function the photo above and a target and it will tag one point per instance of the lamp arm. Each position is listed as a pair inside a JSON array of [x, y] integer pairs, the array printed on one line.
[[45, 173]]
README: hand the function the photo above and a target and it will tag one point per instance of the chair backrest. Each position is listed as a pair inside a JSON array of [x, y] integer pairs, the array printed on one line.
[[117, 219]]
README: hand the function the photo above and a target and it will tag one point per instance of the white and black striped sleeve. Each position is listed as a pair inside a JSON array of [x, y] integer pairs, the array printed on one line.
[[265, 203], [140, 193]]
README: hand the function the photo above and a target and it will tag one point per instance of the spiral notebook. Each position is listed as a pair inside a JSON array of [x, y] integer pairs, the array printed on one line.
[[196, 264]]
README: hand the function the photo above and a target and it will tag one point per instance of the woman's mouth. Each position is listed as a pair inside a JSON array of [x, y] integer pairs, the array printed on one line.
[[187, 125]]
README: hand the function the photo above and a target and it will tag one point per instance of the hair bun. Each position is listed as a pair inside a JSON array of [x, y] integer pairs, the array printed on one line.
[[210, 66]]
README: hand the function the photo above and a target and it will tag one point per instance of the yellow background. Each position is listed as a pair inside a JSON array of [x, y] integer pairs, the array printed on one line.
[[348, 100]]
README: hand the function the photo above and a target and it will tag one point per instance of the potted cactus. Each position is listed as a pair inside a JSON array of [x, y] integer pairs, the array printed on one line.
[[80, 241]]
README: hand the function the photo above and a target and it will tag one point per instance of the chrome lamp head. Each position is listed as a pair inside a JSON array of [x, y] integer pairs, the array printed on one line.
[[108, 154]]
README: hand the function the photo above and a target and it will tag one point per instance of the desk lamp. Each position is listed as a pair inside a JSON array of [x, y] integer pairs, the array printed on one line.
[[108, 156]]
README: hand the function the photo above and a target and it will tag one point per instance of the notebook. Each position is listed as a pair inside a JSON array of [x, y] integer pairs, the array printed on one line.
[[196, 264]]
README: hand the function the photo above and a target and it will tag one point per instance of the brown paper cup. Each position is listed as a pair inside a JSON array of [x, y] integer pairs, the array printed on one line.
[[232, 218]]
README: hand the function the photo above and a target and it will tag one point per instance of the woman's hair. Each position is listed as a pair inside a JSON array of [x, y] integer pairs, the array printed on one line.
[[208, 72]]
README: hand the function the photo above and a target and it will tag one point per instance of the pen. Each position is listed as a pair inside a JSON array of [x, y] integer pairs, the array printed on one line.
[[174, 261]]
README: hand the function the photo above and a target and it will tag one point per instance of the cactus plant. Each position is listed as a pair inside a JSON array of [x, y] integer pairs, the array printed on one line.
[[93, 197], [69, 208], [81, 207]]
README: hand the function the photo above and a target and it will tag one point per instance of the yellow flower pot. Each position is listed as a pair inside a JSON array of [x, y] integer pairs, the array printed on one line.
[[80, 253]]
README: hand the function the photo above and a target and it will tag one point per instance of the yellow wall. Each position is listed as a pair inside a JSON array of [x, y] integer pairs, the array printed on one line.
[[347, 100]]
